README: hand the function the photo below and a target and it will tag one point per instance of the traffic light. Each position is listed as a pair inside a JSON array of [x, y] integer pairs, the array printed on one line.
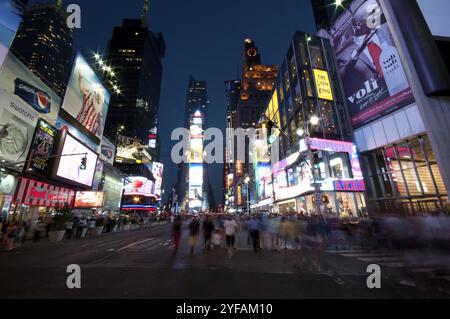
[[83, 163], [269, 125]]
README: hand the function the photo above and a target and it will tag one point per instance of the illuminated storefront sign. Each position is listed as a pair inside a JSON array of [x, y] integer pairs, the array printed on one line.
[[34, 193], [349, 186], [323, 85], [330, 145]]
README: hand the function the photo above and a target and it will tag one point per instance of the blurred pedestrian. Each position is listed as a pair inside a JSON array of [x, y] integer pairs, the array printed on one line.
[[230, 233], [208, 228], [69, 229], [194, 230], [176, 232], [254, 228]]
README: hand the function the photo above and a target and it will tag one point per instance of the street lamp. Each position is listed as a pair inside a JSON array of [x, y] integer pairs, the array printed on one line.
[[314, 120]]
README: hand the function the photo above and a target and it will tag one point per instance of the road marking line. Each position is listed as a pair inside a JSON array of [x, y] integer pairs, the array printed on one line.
[[135, 244], [380, 259]]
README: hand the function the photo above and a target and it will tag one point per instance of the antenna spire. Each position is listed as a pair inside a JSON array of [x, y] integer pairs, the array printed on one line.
[[145, 13]]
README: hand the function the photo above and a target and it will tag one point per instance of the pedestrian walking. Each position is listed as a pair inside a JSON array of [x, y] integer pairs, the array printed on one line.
[[81, 226], [208, 228], [69, 229], [176, 232], [230, 226], [254, 228], [11, 234], [194, 230]]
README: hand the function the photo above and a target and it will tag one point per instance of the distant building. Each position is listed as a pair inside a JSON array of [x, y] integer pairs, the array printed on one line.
[[258, 81], [44, 43]]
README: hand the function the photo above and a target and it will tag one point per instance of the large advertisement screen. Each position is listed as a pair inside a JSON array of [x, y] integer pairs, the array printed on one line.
[[86, 98], [69, 166], [139, 186], [195, 186], [196, 151], [41, 148], [89, 199], [132, 151], [24, 100], [157, 172], [10, 17], [373, 75], [107, 150], [18, 80]]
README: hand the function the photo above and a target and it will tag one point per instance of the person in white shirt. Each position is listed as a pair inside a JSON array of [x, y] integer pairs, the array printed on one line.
[[230, 226]]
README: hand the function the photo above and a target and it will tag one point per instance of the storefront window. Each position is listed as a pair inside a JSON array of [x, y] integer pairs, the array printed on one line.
[[409, 174], [339, 165]]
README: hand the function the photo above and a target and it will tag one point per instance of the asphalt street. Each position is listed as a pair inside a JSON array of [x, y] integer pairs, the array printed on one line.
[[142, 264]]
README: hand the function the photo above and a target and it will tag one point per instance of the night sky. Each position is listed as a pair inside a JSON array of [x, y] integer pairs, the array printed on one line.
[[203, 38]]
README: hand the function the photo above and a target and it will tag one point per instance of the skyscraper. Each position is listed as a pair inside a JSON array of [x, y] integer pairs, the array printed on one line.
[[232, 95], [44, 43], [192, 176], [258, 81], [136, 53]]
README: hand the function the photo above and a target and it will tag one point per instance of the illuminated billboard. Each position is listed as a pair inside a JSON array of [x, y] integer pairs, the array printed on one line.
[[69, 164], [89, 199], [195, 186], [86, 99], [323, 85], [373, 76], [139, 186], [41, 148], [132, 151], [157, 172], [196, 151]]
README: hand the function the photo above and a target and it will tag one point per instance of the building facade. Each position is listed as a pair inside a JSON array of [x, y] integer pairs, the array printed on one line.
[[319, 170], [397, 89]]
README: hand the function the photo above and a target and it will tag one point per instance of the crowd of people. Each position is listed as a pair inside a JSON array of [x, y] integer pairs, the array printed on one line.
[[14, 233], [308, 236]]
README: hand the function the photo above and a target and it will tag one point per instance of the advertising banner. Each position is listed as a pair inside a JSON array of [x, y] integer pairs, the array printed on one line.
[[17, 123], [69, 167], [107, 150], [18, 80], [7, 183], [89, 199], [62, 124], [373, 75], [41, 148], [86, 99], [323, 85], [10, 17], [34, 193], [196, 151], [157, 172], [139, 186], [132, 151]]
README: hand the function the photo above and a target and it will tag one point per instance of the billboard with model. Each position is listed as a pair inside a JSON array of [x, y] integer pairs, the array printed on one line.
[[86, 99], [373, 76]]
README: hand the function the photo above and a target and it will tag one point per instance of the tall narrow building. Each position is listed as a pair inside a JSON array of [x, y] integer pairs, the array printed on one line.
[[136, 53], [258, 81], [192, 181], [44, 43]]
